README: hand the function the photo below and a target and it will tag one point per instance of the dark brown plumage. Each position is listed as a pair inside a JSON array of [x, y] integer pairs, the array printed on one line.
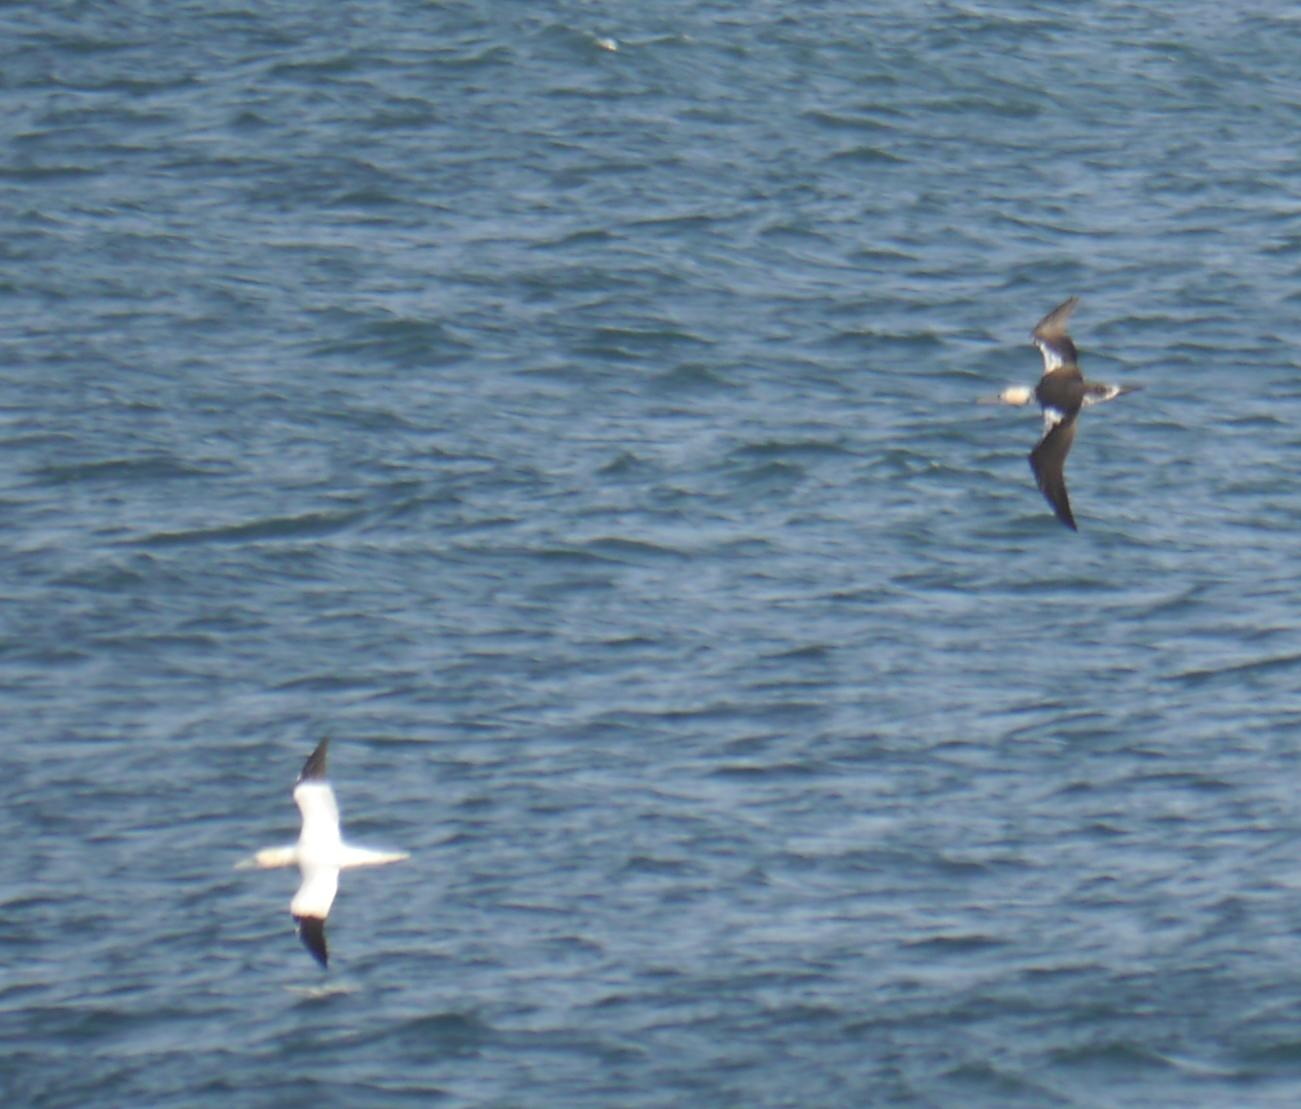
[[1061, 393]]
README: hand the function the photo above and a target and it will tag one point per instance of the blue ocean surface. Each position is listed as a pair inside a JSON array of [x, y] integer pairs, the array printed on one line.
[[571, 410]]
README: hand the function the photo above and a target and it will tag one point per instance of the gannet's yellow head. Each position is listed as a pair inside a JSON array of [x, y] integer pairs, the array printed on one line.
[[1013, 394]]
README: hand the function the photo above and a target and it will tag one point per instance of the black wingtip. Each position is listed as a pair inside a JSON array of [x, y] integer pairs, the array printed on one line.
[[1060, 506], [1054, 323], [1047, 470], [311, 930], [314, 767]]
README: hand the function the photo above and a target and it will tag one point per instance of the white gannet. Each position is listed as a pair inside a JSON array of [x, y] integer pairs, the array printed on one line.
[[1061, 393], [320, 854]]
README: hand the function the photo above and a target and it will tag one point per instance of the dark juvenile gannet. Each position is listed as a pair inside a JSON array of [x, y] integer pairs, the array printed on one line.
[[1061, 393], [320, 854]]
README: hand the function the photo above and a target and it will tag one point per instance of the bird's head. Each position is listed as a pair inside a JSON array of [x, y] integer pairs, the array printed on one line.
[[1013, 394]]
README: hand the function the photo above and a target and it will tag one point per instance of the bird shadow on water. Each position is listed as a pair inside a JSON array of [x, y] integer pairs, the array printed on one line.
[[322, 991]]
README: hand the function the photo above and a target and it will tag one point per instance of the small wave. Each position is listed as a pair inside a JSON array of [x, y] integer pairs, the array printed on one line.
[[311, 525], [153, 468]]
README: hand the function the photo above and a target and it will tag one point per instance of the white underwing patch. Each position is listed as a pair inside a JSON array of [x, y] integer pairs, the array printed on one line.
[[1052, 357], [1098, 393]]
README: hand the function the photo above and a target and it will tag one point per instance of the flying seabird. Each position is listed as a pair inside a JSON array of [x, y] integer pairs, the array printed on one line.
[[1061, 393], [320, 854]]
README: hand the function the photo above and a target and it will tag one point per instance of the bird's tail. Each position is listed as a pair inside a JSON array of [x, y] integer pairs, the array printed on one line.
[[365, 856]]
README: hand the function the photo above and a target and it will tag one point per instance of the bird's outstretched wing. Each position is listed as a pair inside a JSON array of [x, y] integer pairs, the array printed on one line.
[[1048, 460], [314, 767], [320, 810], [1051, 338], [311, 905], [315, 799]]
